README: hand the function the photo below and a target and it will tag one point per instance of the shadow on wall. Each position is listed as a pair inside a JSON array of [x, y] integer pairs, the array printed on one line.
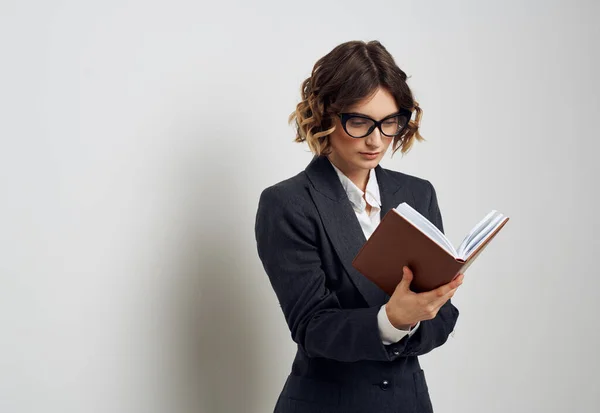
[[217, 360]]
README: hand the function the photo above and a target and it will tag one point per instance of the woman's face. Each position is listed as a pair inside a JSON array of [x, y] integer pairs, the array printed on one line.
[[357, 155]]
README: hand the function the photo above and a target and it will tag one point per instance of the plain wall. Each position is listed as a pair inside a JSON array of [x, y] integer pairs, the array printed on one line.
[[136, 137]]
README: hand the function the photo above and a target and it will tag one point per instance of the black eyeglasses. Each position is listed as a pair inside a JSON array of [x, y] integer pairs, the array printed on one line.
[[358, 125]]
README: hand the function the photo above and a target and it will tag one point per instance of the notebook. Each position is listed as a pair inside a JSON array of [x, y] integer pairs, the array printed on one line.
[[405, 237]]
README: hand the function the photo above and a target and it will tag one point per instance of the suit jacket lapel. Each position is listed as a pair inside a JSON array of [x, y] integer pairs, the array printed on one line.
[[393, 191], [340, 221]]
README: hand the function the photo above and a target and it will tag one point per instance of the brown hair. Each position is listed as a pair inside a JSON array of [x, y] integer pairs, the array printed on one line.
[[349, 73]]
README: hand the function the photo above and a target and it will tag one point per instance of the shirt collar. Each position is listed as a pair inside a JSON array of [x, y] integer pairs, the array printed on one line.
[[355, 194]]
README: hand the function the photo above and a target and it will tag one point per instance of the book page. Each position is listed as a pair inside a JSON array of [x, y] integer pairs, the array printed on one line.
[[483, 234], [428, 228], [474, 232]]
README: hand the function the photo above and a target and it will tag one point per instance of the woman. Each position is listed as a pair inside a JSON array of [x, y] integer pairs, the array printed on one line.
[[358, 347]]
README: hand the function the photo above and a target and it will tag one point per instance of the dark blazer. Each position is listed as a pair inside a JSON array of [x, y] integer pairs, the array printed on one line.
[[307, 235]]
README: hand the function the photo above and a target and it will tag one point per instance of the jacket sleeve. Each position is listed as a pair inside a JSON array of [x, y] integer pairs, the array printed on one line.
[[288, 246], [432, 333]]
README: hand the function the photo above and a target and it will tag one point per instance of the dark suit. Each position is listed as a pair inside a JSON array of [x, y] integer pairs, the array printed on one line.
[[307, 236]]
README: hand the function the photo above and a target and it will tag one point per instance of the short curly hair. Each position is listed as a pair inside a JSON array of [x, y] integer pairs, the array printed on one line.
[[349, 73]]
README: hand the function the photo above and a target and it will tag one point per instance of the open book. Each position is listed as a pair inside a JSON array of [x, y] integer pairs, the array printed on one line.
[[478, 235], [405, 237]]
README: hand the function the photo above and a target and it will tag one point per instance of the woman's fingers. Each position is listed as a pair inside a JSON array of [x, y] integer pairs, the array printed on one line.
[[441, 293], [421, 306]]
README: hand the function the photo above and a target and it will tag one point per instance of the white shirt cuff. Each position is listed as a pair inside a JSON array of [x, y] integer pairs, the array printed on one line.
[[390, 334]]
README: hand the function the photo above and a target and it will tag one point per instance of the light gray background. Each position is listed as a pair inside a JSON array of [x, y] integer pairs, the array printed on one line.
[[136, 137]]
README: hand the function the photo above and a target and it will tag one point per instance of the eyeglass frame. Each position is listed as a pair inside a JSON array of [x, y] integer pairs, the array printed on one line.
[[376, 124]]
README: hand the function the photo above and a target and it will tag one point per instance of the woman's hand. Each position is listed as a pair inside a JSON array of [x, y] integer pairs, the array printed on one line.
[[406, 308]]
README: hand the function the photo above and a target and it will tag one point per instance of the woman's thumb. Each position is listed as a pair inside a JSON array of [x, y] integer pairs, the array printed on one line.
[[407, 277]]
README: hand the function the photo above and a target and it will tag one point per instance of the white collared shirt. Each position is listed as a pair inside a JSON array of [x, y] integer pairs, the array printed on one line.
[[368, 222]]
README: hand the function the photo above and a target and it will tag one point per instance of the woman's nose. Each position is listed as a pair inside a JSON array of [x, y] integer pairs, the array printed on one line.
[[374, 138]]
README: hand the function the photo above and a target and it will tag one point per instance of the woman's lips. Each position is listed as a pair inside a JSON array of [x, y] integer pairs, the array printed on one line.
[[369, 155]]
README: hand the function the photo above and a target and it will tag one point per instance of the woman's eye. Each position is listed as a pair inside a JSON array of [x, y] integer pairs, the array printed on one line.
[[357, 123]]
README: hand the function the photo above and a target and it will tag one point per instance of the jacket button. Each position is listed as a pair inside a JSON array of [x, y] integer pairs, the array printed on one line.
[[396, 352], [384, 385]]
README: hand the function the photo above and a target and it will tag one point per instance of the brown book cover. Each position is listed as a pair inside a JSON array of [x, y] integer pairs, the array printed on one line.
[[397, 242]]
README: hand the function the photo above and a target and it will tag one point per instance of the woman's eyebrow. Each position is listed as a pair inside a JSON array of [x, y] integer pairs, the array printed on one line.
[[364, 114]]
